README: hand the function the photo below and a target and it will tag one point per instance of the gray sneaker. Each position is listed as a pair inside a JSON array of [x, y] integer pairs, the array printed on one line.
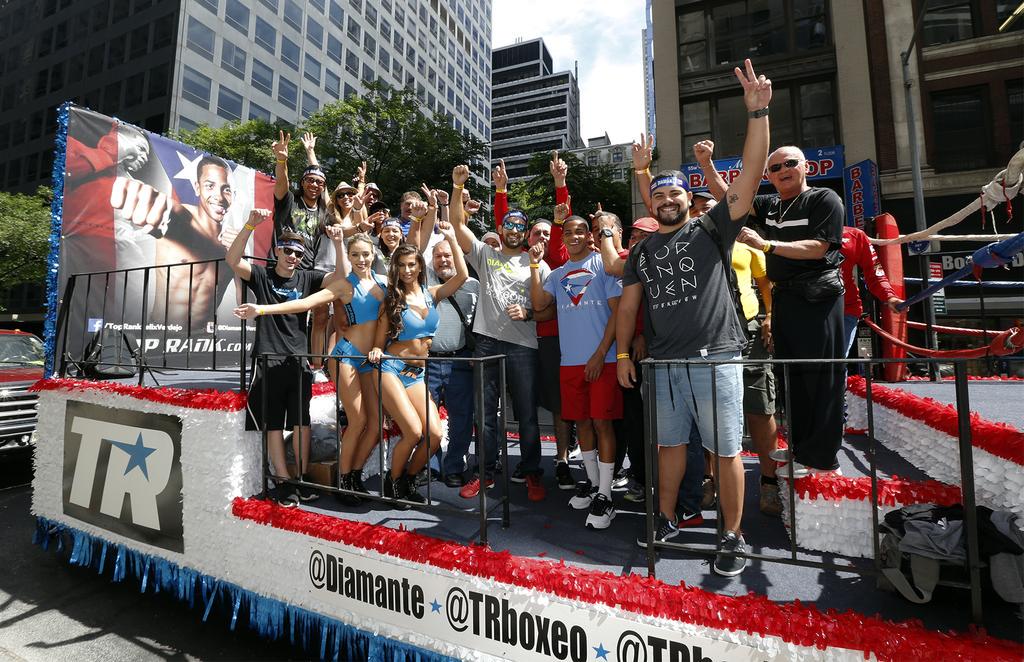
[[666, 530], [771, 503], [635, 492], [730, 566]]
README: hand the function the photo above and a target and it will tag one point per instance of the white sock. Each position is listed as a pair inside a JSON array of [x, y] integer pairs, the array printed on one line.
[[590, 464], [606, 471]]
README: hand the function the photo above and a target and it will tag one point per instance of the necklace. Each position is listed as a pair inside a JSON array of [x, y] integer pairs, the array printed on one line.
[[789, 206]]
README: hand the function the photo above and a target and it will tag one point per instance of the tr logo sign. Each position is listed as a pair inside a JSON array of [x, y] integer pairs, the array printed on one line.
[[122, 472]]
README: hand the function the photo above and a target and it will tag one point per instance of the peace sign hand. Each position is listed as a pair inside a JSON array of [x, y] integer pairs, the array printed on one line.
[[757, 90], [280, 146], [643, 152]]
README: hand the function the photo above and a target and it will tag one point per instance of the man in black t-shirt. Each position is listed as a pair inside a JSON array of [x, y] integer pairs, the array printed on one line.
[[288, 380], [304, 211], [800, 230]]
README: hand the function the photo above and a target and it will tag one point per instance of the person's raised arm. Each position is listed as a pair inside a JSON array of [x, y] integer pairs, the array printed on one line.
[[309, 144], [703, 151], [613, 264], [341, 266], [460, 175], [333, 291], [539, 298], [557, 254], [452, 285], [424, 218], [500, 177], [643, 155], [280, 149], [236, 250], [625, 325], [757, 94]]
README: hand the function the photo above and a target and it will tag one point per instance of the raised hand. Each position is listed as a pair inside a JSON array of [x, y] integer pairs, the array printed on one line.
[[428, 193], [335, 232], [361, 173], [562, 210], [257, 216], [703, 151], [757, 90], [308, 141], [752, 239], [598, 213], [499, 176], [643, 152], [559, 169], [460, 175], [280, 146], [140, 203], [447, 231], [417, 209], [375, 219], [440, 195], [472, 206], [537, 252]]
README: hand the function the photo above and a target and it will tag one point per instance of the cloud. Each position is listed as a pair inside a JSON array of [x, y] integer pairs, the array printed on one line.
[[604, 38]]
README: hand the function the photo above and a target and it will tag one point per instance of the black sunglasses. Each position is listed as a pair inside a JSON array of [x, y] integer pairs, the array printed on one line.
[[789, 163], [291, 251]]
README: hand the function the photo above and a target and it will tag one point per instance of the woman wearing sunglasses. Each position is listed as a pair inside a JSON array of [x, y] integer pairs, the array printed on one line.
[[407, 325]]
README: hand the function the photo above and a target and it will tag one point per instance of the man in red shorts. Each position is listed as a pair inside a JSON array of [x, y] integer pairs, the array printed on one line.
[[586, 299]]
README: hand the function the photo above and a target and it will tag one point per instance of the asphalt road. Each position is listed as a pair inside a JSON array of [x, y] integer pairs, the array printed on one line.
[[51, 611]]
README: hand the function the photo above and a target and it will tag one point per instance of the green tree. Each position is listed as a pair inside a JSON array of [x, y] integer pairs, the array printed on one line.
[[24, 237], [588, 185], [386, 127]]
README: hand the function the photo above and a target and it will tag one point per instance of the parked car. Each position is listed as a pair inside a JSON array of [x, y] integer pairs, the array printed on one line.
[[21, 365]]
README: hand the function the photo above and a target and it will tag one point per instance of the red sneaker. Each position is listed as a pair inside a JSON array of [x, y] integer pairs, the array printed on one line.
[[472, 488], [534, 488]]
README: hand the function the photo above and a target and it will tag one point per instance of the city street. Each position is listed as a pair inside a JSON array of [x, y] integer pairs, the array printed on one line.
[[52, 611]]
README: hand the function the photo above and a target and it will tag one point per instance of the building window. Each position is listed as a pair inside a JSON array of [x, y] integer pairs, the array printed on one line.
[[352, 63], [1015, 99], [748, 29], [196, 87], [293, 15], [287, 93], [290, 52], [945, 22], [200, 38], [960, 129], [318, 5], [163, 31], [312, 69], [187, 124], [817, 117], [349, 91], [369, 76], [159, 77], [384, 59], [309, 104], [371, 16], [116, 50], [696, 124], [617, 156], [266, 36], [135, 86], [354, 31], [692, 30], [332, 84], [272, 6], [334, 50], [233, 59], [139, 42], [212, 5], [229, 104], [237, 16], [262, 77], [314, 31], [95, 60], [257, 112], [337, 15], [370, 46]]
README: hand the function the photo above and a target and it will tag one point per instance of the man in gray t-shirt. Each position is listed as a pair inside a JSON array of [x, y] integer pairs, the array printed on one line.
[[504, 324]]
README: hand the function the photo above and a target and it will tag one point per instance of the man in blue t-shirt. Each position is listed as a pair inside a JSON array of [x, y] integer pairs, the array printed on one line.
[[586, 299]]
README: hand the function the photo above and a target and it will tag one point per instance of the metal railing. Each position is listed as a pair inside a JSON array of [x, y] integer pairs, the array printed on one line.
[[964, 444], [479, 364]]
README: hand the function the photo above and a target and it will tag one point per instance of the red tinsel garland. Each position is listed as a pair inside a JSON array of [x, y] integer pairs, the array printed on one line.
[[970, 378], [891, 491], [793, 622], [1000, 439], [178, 397]]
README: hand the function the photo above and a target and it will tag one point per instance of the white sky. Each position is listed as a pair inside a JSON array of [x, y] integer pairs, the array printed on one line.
[[605, 37]]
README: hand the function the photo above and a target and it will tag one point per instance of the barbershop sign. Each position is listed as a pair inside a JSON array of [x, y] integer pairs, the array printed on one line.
[[822, 163]]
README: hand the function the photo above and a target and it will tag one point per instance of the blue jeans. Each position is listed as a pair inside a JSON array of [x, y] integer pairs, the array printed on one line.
[[691, 490], [451, 384], [520, 369], [849, 332]]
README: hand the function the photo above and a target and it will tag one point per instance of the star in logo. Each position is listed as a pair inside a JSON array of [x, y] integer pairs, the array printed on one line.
[[575, 284], [188, 168], [435, 606], [600, 651], [137, 454]]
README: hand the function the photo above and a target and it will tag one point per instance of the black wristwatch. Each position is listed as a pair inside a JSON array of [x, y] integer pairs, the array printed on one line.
[[761, 112], [606, 233]]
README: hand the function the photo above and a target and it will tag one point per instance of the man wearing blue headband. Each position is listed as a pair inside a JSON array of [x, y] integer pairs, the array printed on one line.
[[682, 273]]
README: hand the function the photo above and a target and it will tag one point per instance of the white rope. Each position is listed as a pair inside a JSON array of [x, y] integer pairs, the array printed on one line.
[[971, 237], [995, 193]]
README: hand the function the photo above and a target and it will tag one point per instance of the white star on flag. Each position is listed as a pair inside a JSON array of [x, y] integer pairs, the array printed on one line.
[[188, 168]]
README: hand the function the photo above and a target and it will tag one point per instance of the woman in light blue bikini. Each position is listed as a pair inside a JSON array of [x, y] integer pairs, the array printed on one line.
[[362, 292], [407, 325]]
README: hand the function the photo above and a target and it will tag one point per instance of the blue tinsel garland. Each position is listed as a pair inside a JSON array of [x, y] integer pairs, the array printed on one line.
[[56, 225], [271, 619]]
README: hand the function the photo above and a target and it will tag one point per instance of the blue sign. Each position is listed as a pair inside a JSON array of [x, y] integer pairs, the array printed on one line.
[[822, 163], [863, 200]]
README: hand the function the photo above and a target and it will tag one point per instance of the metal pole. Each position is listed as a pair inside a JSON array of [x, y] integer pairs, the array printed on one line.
[[648, 373], [963, 415], [506, 469]]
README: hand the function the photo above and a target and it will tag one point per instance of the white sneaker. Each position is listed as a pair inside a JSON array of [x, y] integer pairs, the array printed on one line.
[[781, 455], [797, 470], [584, 495], [602, 512], [319, 377]]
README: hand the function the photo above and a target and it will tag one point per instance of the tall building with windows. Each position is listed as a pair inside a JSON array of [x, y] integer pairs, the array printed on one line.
[[180, 63], [838, 89], [534, 108]]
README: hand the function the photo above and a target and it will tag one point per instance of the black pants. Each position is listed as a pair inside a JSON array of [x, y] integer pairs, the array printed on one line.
[[812, 330], [629, 431]]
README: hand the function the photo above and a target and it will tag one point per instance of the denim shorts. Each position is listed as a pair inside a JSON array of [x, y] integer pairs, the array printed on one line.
[[345, 348], [683, 396], [409, 375]]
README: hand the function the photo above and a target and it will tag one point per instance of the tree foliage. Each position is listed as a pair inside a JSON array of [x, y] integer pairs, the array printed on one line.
[[588, 186], [386, 127], [24, 237]]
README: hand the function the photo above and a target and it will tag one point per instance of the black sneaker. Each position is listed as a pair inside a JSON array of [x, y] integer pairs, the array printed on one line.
[[391, 488], [356, 478], [688, 519], [584, 495], [635, 492], [518, 476], [306, 494], [666, 530], [602, 512], [284, 495], [730, 566], [410, 490], [563, 476], [455, 480], [345, 483]]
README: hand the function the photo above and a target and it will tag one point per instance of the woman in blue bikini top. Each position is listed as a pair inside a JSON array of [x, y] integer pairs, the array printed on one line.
[[406, 329]]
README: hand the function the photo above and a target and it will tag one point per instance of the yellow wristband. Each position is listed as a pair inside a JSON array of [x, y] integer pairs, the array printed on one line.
[[499, 190], [248, 227], [282, 160], [622, 355], [417, 219], [535, 265], [458, 187], [645, 171], [259, 311]]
